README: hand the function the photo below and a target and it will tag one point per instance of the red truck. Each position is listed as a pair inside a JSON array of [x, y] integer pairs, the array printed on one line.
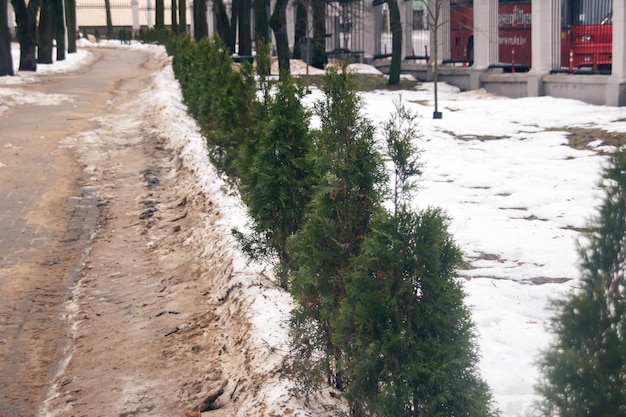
[[586, 35]]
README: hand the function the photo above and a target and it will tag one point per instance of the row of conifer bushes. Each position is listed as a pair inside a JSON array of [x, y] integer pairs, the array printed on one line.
[[379, 314]]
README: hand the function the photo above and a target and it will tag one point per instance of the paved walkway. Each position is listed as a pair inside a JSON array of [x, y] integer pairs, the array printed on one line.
[[47, 218]]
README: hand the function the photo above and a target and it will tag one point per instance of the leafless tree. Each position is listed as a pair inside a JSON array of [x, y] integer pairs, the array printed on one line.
[[6, 60]]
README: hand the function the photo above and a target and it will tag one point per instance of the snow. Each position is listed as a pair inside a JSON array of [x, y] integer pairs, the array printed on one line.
[[516, 194]]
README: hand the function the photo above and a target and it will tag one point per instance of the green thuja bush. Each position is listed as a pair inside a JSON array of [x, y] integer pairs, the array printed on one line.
[[183, 52], [231, 115], [406, 336], [217, 95], [159, 36], [584, 369], [199, 67], [275, 170], [379, 313], [349, 174]]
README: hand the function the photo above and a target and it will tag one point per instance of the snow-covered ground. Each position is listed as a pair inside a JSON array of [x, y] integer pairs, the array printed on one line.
[[516, 193]]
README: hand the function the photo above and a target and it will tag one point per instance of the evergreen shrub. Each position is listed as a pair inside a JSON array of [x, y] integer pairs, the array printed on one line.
[[379, 313], [349, 173], [584, 369], [276, 172]]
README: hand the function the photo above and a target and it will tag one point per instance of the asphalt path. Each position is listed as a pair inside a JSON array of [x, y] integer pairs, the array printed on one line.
[[48, 215]]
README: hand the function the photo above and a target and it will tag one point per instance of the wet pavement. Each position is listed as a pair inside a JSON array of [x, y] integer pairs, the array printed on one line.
[[48, 215]]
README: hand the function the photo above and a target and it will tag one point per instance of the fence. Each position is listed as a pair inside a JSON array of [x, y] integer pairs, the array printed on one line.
[[345, 29], [92, 14]]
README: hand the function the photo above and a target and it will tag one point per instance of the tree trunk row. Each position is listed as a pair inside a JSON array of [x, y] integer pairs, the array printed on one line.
[[278, 23], [37, 41], [26, 32], [236, 31], [45, 32]]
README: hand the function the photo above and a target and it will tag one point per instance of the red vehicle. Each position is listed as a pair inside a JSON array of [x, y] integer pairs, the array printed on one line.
[[462, 31], [514, 35], [514, 23], [586, 34]]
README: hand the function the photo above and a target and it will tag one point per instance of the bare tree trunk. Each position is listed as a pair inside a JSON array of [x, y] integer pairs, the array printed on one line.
[[396, 42], [234, 16], [436, 66], [434, 17], [319, 58], [223, 25], [107, 6], [278, 23], [200, 29], [175, 16], [70, 20], [59, 28], [182, 16], [6, 60], [261, 23], [302, 24], [45, 32], [245, 36], [26, 31], [159, 14]]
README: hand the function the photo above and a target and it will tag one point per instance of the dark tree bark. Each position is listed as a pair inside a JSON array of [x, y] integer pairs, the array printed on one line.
[[234, 16], [182, 16], [223, 25], [261, 23], [200, 29], [26, 32], [70, 21], [107, 7], [175, 16], [6, 60], [435, 23], [245, 36], [301, 28], [159, 14], [45, 32], [319, 58], [59, 28], [278, 23], [396, 42]]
